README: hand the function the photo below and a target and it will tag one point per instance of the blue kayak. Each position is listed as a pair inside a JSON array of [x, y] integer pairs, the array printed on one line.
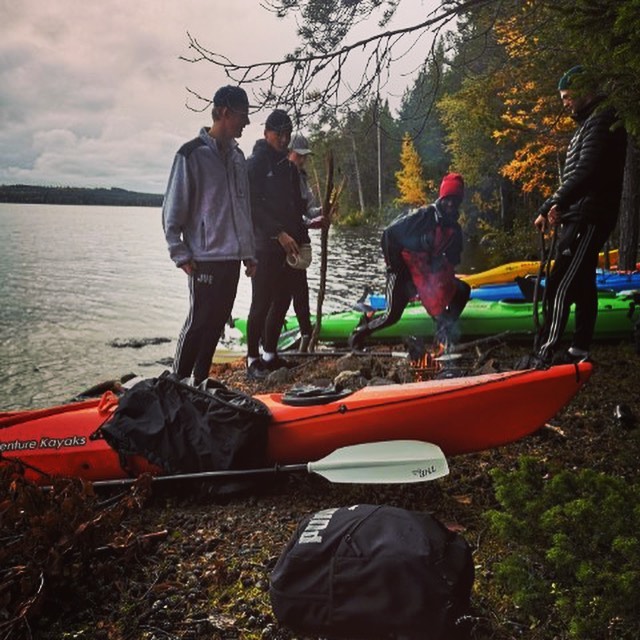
[[605, 281]]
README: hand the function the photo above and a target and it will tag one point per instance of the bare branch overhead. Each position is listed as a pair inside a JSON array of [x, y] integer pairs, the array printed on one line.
[[312, 78]]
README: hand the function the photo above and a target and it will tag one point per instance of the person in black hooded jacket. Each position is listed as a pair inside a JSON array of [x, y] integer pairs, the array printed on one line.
[[421, 249], [584, 211], [277, 210]]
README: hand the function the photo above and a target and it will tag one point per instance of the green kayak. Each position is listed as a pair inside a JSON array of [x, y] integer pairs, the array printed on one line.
[[617, 314]]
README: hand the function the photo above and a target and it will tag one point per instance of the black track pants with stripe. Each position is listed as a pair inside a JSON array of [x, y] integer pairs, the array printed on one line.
[[212, 292], [572, 280], [399, 291]]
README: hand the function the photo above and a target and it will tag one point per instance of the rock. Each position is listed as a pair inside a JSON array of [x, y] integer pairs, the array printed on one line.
[[350, 380], [136, 343], [349, 363], [280, 376]]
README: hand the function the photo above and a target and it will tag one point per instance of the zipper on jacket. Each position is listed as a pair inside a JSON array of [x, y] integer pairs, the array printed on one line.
[[231, 191]]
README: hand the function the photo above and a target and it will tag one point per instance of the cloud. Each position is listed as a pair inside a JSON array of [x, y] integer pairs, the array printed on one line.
[[94, 93]]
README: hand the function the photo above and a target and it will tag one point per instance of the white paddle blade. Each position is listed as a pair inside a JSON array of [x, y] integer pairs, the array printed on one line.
[[391, 462]]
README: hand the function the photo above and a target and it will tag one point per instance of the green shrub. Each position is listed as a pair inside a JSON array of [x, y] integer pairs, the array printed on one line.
[[354, 218], [521, 242], [575, 542]]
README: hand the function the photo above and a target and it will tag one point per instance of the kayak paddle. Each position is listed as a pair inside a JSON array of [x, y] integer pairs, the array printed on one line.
[[391, 462]]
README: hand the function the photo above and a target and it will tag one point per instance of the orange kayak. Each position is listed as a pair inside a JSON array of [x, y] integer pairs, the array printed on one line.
[[460, 415]]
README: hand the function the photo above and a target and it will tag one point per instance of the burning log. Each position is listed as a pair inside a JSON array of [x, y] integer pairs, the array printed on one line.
[[446, 361]]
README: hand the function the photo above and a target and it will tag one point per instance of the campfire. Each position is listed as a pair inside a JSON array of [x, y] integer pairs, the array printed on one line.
[[428, 364], [449, 360]]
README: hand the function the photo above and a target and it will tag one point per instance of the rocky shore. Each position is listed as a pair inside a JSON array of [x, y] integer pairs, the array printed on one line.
[[192, 561]]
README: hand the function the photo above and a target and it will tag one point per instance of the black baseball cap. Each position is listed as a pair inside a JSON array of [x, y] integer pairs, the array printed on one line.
[[232, 97], [279, 121]]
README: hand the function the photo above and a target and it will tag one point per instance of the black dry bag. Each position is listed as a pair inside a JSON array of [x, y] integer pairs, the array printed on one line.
[[187, 430], [374, 572]]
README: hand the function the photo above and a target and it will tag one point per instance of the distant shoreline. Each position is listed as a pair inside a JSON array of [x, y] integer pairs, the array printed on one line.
[[29, 194]]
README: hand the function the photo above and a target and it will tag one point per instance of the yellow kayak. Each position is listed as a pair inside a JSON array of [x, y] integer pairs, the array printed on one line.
[[512, 270]]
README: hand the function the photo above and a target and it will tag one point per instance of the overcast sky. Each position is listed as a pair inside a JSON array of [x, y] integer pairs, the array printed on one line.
[[93, 92]]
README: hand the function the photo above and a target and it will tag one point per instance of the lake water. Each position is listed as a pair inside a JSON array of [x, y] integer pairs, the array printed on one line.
[[74, 279]]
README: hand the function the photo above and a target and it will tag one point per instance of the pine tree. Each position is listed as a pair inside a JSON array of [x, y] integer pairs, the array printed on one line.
[[410, 181]]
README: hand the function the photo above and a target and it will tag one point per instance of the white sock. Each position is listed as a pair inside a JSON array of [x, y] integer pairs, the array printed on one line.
[[251, 360], [267, 356], [578, 353]]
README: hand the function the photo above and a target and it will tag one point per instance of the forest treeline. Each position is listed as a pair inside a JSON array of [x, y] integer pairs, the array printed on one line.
[[485, 104], [29, 194]]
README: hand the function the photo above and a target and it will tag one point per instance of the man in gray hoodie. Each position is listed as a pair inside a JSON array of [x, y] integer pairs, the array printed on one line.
[[207, 223]]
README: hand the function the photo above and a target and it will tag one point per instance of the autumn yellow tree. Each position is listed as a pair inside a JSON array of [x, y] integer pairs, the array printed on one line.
[[531, 122], [410, 181]]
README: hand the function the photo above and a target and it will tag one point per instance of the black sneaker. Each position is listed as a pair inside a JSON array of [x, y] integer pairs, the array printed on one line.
[[566, 357], [277, 363], [531, 361], [258, 370], [356, 340]]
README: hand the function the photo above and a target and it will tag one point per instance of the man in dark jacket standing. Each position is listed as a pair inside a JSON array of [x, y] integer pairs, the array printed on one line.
[[421, 250], [277, 209], [584, 211]]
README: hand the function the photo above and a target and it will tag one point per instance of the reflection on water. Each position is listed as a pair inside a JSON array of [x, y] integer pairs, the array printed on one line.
[[75, 278]]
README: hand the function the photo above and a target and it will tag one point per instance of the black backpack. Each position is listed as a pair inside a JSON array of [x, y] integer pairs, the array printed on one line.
[[374, 572]]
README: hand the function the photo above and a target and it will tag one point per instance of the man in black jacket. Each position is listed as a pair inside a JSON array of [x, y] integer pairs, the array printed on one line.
[[277, 210], [421, 250], [584, 211]]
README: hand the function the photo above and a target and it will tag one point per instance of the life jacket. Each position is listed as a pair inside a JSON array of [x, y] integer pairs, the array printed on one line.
[[432, 273]]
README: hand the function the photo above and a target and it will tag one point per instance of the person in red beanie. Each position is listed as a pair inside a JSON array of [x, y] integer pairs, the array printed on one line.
[[421, 249]]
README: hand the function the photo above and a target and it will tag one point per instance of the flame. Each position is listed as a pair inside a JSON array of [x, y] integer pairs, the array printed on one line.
[[427, 366], [440, 349]]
